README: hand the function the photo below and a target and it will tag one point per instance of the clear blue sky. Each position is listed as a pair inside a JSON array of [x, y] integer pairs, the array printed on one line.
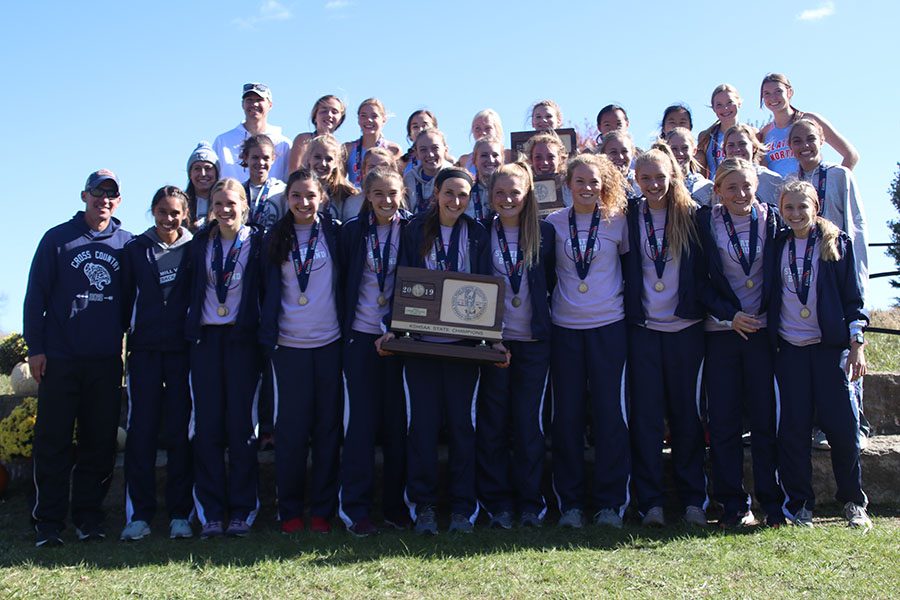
[[133, 86]]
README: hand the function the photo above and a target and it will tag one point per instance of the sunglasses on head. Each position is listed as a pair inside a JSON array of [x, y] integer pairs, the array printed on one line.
[[255, 87], [101, 192]]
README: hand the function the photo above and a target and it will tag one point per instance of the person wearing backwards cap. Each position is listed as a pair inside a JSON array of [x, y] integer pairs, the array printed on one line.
[[73, 324], [256, 100]]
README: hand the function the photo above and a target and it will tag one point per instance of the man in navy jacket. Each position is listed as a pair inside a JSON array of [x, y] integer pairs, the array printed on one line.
[[73, 327]]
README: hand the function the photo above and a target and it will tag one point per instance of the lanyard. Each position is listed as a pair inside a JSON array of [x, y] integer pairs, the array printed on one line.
[[225, 272], [802, 282], [658, 255], [440, 255], [752, 237], [421, 204], [380, 260], [583, 261], [260, 202], [513, 271], [304, 268], [475, 196]]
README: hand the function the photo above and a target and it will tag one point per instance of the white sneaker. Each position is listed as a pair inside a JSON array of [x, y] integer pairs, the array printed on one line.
[[609, 518], [572, 518], [857, 517], [136, 530], [863, 441]]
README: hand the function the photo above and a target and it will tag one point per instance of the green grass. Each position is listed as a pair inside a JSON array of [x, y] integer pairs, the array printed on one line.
[[825, 562], [883, 350]]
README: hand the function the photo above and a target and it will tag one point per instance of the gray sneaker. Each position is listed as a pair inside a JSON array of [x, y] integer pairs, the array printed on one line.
[[857, 517], [819, 441], [460, 524], [608, 518], [136, 530], [502, 520], [426, 521], [694, 515], [530, 519], [654, 518], [803, 518], [180, 529], [572, 518]]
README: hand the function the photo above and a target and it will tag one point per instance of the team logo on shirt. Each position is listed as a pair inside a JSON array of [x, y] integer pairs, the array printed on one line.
[[469, 302], [582, 244], [97, 275]]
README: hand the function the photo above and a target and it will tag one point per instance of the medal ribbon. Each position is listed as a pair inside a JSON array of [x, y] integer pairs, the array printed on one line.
[[380, 261], [802, 282], [513, 271], [658, 256], [224, 273], [821, 185], [421, 203], [260, 203], [583, 262], [736, 243], [440, 255], [304, 268], [475, 195]]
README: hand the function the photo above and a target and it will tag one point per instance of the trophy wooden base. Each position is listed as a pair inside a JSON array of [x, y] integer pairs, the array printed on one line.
[[480, 354]]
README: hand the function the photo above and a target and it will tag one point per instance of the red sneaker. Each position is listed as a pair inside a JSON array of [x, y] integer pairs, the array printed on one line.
[[319, 525], [292, 525]]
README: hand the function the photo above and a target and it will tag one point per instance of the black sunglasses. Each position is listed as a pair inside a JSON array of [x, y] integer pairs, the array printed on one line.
[[101, 192]]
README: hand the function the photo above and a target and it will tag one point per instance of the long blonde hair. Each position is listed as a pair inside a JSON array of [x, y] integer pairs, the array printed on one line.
[[230, 184], [612, 184], [829, 249], [337, 185], [681, 229], [731, 165], [529, 225]]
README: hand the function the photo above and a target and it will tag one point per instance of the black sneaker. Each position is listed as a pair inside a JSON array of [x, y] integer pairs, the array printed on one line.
[[47, 536], [89, 532]]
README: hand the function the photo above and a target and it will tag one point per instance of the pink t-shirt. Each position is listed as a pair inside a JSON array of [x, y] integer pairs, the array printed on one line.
[[516, 319], [368, 316], [603, 301], [315, 323], [796, 329], [660, 304], [749, 297], [209, 314]]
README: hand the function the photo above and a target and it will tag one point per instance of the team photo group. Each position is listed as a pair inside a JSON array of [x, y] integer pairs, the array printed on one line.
[[701, 293]]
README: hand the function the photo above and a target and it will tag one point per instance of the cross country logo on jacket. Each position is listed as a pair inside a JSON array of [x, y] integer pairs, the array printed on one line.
[[97, 275]]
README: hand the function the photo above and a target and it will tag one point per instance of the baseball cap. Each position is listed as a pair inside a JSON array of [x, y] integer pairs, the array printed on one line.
[[257, 88], [98, 177]]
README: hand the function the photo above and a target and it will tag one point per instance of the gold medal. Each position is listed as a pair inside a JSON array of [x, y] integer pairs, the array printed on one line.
[[749, 284], [659, 286], [222, 311], [303, 301], [804, 312], [381, 300], [582, 287], [516, 301]]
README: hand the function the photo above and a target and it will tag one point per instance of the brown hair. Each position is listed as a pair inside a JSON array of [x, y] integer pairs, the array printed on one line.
[[319, 103], [693, 166], [757, 148], [381, 174]]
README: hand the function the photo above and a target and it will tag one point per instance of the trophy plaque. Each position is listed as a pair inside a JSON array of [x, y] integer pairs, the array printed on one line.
[[450, 305], [548, 193]]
